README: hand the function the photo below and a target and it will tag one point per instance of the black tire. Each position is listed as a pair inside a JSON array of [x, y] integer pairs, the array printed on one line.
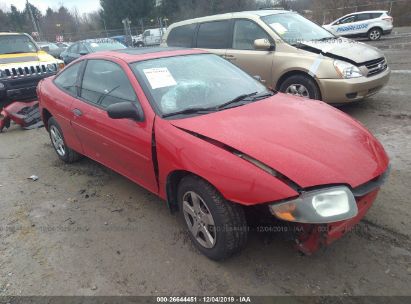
[[69, 155], [306, 81], [231, 228], [374, 34], [140, 44]]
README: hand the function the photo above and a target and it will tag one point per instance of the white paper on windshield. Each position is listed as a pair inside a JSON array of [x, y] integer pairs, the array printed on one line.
[[279, 28], [159, 78]]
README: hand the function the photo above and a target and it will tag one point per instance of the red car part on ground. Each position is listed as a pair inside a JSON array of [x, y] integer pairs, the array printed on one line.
[[270, 152], [25, 114]]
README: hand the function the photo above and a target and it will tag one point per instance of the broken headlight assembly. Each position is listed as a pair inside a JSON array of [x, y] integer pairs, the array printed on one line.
[[346, 70], [318, 206]]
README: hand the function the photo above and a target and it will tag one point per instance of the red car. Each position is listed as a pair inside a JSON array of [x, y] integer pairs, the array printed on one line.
[[214, 142]]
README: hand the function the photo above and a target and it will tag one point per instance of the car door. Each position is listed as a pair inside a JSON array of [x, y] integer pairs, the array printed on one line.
[[214, 36], [67, 82], [243, 54], [362, 23], [147, 37], [345, 27], [123, 145]]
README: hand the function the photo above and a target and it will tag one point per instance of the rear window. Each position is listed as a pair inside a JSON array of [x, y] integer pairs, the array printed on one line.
[[181, 36], [214, 35], [375, 15]]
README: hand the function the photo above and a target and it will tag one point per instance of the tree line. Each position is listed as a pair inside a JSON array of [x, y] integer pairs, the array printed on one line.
[[107, 20]]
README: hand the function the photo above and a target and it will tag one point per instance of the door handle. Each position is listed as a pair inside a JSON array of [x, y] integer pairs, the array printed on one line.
[[230, 57], [77, 112]]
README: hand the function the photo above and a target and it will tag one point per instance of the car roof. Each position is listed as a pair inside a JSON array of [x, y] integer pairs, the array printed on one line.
[[363, 12], [130, 55], [97, 40], [244, 14]]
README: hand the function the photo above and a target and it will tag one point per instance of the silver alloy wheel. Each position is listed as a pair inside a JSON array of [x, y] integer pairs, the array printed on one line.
[[375, 35], [57, 141], [199, 220], [298, 90]]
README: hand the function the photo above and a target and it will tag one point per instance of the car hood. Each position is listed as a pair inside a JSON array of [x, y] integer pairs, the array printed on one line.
[[7, 60], [308, 141], [354, 51]]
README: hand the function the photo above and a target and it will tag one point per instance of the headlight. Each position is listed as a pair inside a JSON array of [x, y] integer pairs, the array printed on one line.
[[346, 70], [52, 68], [318, 206]]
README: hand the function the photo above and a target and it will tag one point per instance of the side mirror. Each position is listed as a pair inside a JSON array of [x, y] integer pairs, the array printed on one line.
[[45, 48], [263, 45], [82, 53], [125, 110]]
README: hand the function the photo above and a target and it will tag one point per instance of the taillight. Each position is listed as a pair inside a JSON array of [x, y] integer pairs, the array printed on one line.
[[388, 19]]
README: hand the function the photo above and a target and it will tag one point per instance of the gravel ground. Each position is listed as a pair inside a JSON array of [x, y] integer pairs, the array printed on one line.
[[82, 229]]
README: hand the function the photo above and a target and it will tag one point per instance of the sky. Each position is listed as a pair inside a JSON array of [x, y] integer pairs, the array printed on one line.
[[83, 6]]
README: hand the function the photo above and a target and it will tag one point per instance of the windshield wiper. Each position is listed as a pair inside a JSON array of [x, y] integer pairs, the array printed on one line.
[[264, 95], [190, 111], [235, 100], [19, 52]]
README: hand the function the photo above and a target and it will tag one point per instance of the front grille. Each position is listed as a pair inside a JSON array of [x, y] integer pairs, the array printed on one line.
[[376, 66], [27, 71]]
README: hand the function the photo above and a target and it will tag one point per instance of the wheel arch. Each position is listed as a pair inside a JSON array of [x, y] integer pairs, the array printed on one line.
[[172, 182], [294, 73], [46, 115]]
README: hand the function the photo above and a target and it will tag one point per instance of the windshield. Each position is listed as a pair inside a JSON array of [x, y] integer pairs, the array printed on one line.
[[294, 28], [194, 81], [13, 44], [106, 45]]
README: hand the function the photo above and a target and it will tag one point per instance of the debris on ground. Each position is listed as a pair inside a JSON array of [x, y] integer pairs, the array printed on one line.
[[33, 178]]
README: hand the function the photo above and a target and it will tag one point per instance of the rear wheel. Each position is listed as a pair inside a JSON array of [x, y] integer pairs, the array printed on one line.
[[300, 85], [57, 139], [374, 33], [217, 227]]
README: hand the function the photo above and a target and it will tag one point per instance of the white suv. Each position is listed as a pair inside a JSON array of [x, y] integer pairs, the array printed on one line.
[[371, 24]]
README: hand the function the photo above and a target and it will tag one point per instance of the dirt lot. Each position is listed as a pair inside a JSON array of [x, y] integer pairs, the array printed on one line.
[[84, 230]]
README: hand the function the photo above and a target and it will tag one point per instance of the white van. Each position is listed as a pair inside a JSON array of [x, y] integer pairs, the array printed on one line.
[[371, 24], [149, 37]]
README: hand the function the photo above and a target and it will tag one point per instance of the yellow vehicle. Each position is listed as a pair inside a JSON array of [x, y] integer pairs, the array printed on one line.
[[289, 53], [22, 65]]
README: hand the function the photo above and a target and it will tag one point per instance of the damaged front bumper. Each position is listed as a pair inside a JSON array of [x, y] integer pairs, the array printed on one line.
[[311, 237], [25, 114]]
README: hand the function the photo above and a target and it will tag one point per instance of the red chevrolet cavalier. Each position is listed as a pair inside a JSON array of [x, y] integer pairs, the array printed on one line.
[[213, 141]]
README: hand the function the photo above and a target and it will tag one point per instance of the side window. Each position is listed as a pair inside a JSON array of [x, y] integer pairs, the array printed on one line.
[[105, 83], [82, 49], [375, 15], [67, 79], [348, 19], [363, 17], [214, 35], [182, 36], [73, 49], [245, 32]]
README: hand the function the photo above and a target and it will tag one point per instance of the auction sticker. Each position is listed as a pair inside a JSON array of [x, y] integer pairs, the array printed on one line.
[[159, 78]]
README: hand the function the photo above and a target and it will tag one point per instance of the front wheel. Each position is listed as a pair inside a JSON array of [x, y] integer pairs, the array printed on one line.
[[375, 34], [217, 227], [300, 85], [59, 144]]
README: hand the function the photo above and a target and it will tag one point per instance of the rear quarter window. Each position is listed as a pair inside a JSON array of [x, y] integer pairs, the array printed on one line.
[[182, 36], [375, 15]]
